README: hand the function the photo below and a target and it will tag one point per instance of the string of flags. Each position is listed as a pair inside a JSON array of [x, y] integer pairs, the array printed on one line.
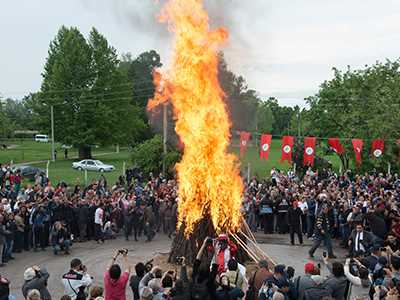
[[377, 147]]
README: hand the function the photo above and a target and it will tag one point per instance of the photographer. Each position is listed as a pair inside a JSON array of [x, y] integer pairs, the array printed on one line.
[[115, 282], [76, 280], [359, 281], [36, 278], [60, 238], [140, 270]]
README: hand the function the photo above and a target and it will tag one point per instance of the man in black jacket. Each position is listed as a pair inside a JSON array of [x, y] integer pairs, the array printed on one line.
[[294, 216], [83, 217], [322, 232], [360, 241]]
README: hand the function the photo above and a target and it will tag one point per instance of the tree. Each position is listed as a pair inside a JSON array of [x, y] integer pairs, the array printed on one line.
[[265, 118], [360, 104], [242, 102], [283, 116], [18, 111], [149, 157], [6, 125], [90, 95]]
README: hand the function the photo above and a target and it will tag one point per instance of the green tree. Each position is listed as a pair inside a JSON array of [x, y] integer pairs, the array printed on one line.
[[92, 97], [18, 111], [265, 118], [283, 116], [149, 157], [360, 104], [6, 125]]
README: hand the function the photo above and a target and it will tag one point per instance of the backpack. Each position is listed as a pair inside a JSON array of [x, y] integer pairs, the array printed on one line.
[[316, 293]]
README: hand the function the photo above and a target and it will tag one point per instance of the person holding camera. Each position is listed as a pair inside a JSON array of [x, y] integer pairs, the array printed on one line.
[[76, 280], [114, 280], [358, 276], [60, 238], [35, 278]]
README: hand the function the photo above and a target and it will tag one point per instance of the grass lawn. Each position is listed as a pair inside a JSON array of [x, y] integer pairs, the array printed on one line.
[[20, 151], [30, 151], [262, 168], [62, 170]]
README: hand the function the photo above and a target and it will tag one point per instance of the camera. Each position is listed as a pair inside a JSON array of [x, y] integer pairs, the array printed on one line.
[[123, 251], [382, 249], [149, 265], [179, 260], [324, 254]]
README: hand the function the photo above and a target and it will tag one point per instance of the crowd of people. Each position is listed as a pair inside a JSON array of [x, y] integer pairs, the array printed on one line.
[[359, 212]]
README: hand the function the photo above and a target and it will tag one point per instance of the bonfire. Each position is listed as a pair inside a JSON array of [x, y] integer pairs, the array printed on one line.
[[210, 187]]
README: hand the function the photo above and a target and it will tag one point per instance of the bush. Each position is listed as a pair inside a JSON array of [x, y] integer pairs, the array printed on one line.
[[148, 156]]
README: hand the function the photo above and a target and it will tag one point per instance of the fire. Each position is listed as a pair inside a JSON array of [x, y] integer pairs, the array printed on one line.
[[208, 176]]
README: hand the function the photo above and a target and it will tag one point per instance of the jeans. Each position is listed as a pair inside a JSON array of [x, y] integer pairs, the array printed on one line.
[[295, 229], [63, 246], [317, 242], [7, 250], [98, 232]]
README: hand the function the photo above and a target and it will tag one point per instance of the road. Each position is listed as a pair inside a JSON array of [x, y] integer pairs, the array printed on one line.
[[97, 256]]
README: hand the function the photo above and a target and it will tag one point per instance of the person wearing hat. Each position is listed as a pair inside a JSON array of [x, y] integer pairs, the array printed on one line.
[[35, 278], [304, 282], [224, 251], [322, 232]]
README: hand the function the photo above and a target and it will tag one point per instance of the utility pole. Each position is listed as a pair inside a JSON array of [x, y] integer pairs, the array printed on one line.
[[298, 124], [52, 134], [165, 133]]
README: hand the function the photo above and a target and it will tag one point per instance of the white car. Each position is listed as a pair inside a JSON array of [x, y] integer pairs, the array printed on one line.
[[92, 165]]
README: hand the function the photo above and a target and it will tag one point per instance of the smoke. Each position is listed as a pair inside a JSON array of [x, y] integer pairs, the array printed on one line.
[[237, 16]]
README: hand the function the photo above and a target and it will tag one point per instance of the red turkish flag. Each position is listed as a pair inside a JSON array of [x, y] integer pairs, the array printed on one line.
[[335, 144], [244, 138], [309, 151], [287, 147], [265, 145], [377, 148], [357, 146]]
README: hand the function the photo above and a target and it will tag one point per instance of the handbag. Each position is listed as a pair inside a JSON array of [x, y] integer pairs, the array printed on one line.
[[251, 292]]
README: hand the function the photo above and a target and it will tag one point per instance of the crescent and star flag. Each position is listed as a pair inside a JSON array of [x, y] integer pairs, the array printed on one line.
[[265, 145], [287, 146], [357, 146], [335, 144], [309, 151], [377, 147], [244, 138]]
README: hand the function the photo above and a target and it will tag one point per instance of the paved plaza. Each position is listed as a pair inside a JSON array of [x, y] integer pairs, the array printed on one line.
[[97, 256]]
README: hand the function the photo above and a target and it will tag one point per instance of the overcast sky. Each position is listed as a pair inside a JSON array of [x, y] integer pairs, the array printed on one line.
[[283, 48]]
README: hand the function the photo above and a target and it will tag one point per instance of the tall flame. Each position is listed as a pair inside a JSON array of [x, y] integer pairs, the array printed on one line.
[[208, 176]]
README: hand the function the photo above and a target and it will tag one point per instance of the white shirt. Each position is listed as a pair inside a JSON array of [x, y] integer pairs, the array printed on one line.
[[358, 245], [98, 216]]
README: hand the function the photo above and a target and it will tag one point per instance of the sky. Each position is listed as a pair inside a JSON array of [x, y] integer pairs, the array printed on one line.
[[284, 49]]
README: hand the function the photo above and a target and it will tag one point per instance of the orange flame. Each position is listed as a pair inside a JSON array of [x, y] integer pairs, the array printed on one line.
[[208, 176]]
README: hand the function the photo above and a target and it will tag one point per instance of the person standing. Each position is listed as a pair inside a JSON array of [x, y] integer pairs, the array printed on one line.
[[294, 217], [282, 209], [115, 281], [322, 232], [35, 278], [83, 217], [98, 223]]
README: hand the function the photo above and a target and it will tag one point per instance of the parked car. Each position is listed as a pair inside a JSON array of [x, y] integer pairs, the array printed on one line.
[[92, 165], [42, 138], [29, 172]]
